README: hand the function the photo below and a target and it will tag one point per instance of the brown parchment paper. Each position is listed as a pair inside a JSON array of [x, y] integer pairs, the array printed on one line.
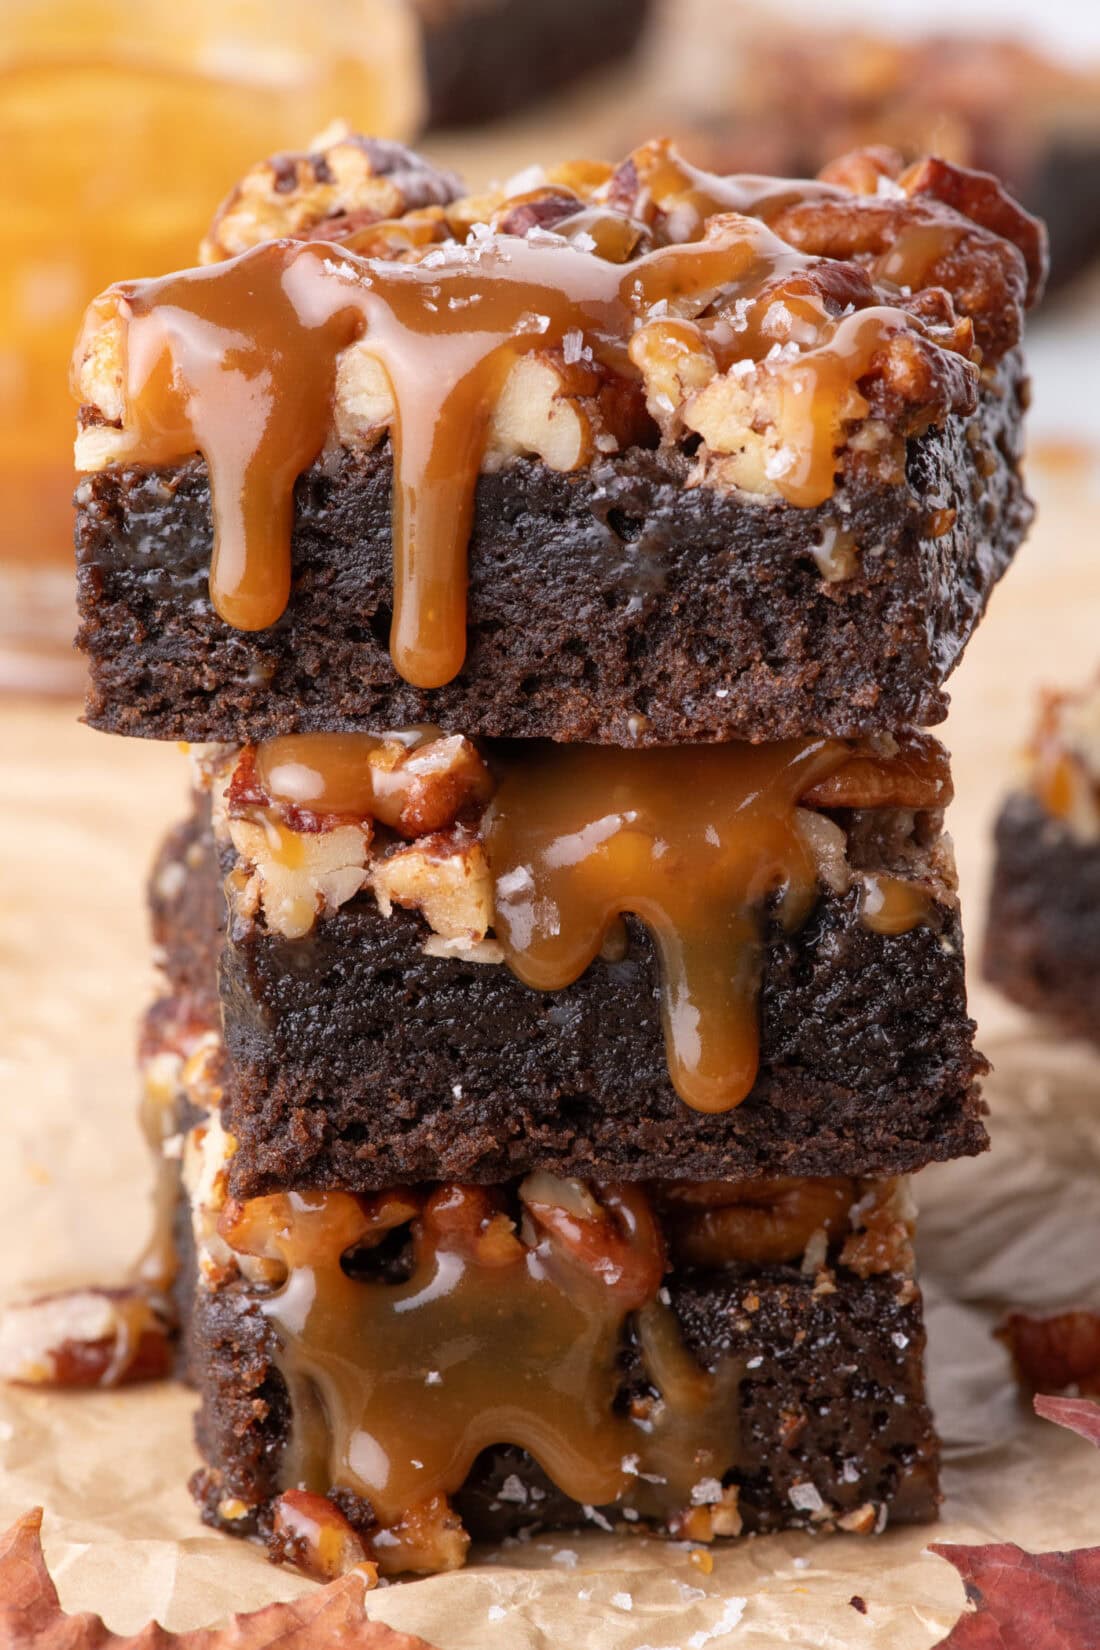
[[80, 815]]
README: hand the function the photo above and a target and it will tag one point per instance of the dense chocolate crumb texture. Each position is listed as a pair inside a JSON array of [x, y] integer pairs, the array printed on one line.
[[1042, 942], [531, 854], [775, 336], [381, 1324]]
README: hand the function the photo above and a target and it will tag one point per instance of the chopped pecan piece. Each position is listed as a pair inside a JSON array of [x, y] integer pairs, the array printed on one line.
[[615, 1237], [712, 1223], [446, 877], [87, 1338], [984, 199], [311, 1532], [909, 771], [882, 1235], [563, 412], [427, 1540]]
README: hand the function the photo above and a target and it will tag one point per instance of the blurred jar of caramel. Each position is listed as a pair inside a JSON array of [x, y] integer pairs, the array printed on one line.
[[121, 127]]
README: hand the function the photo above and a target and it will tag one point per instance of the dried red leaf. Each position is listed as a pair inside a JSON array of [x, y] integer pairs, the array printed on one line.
[[1031, 1601], [1026, 1601], [31, 1617], [1078, 1414]]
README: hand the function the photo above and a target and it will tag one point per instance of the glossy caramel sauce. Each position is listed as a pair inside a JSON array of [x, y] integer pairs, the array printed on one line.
[[413, 781], [507, 1330], [238, 362], [891, 905], [704, 844], [695, 841]]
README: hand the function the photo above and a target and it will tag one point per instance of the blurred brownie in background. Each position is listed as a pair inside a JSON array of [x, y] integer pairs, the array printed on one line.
[[487, 58], [762, 93], [1042, 944]]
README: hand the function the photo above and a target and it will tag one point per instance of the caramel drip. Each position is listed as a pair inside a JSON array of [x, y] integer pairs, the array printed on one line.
[[238, 362], [892, 905], [696, 842], [493, 1339]]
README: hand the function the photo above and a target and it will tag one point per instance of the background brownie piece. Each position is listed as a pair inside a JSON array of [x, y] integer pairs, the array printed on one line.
[[832, 1398], [487, 58], [609, 605], [356, 1061], [1042, 944]]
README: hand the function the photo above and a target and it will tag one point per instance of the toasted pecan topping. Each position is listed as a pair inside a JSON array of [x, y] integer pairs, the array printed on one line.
[[348, 183], [715, 1223]]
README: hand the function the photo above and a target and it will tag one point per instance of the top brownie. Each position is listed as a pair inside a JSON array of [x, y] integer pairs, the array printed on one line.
[[639, 455]]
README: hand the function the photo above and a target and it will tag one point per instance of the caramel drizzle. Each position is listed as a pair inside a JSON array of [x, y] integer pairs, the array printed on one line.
[[495, 1338], [238, 361], [694, 841]]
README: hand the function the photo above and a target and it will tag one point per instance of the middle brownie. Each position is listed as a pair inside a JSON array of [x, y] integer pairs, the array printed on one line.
[[380, 979]]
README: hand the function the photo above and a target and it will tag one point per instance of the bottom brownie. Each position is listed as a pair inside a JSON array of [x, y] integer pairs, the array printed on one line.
[[1042, 944], [383, 1378], [834, 1428]]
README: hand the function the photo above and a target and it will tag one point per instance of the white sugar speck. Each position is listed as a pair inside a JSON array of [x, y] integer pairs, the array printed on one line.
[[732, 1612], [497, 1612], [433, 1378], [706, 1492], [779, 463], [565, 1556], [622, 1601], [805, 1497]]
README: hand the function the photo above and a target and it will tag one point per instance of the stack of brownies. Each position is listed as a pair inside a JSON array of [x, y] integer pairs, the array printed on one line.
[[562, 960]]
